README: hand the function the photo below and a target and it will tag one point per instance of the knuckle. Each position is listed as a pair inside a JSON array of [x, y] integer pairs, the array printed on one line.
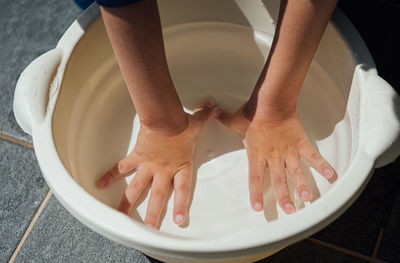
[[169, 173], [278, 180], [275, 156], [157, 193], [256, 179], [297, 171], [164, 163], [135, 186], [315, 156], [302, 144], [274, 151], [182, 187]]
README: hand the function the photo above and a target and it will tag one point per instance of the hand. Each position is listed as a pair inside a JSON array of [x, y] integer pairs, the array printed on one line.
[[161, 160], [276, 144]]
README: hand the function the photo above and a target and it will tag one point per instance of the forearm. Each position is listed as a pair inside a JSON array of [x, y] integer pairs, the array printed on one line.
[[299, 30], [136, 37]]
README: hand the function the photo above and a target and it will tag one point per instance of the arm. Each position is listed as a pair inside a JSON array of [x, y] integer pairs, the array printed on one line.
[[136, 37], [163, 152], [268, 122], [299, 30]]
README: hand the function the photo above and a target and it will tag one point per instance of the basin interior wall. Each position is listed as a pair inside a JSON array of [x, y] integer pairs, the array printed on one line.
[[210, 53]]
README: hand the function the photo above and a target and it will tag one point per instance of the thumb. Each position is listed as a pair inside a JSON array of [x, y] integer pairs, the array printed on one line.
[[235, 121], [203, 110], [222, 115]]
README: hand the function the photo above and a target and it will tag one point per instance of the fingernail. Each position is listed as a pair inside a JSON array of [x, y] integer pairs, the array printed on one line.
[[328, 172], [209, 103], [289, 208], [305, 196], [149, 225], [217, 112], [178, 218], [258, 206], [101, 183]]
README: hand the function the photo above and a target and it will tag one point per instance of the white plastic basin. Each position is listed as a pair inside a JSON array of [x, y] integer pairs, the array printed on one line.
[[74, 103]]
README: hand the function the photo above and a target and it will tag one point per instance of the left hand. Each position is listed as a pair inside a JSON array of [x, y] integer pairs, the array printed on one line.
[[275, 144], [160, 161]]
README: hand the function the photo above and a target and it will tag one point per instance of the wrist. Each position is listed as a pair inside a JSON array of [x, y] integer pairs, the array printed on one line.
[[275, 113], [272, 101], [166, 126], [269, 110]]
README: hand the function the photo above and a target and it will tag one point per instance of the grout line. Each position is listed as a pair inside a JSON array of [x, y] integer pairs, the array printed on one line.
[[341, 249], [28, 230], [378, 243], [15, 140]]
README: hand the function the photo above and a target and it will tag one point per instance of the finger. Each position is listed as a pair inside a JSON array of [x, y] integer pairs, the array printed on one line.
[[203, 110], [133, 191], [124, 167], [298, 177], [182, 181], [279, 183], [257, 167], [223, 116], [235, 121], [158, 195], [309, 154]]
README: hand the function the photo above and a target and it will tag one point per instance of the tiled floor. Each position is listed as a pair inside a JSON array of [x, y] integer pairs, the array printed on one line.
[[36, 228]]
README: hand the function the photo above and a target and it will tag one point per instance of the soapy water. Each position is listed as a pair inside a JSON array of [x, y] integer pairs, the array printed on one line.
[[216, 60]]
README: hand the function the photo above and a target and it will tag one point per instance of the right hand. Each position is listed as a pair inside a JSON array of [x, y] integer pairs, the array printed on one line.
[[160, 160], [276, 144]]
